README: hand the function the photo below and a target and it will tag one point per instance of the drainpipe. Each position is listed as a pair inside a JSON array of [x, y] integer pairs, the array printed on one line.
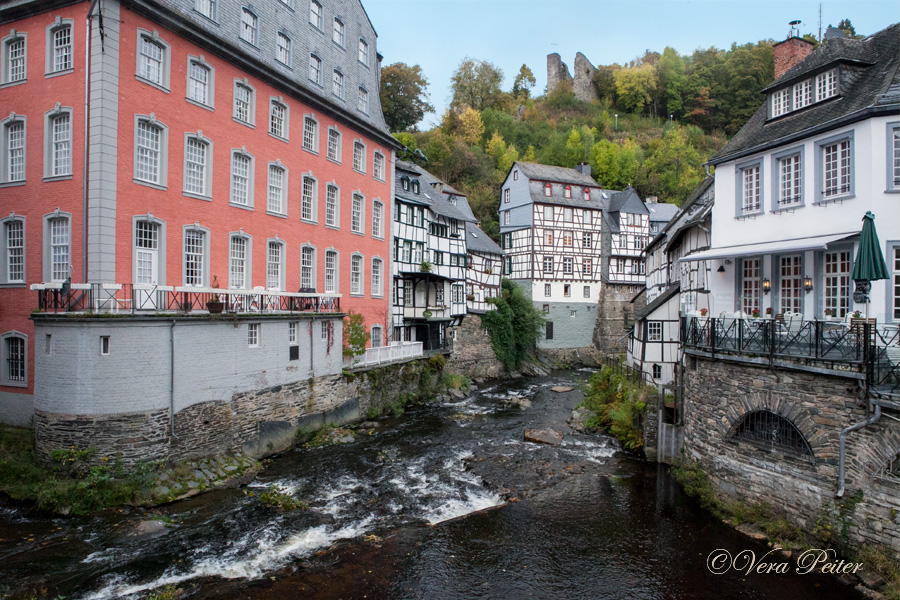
[[172, 378], [87, 117], [844, 433]]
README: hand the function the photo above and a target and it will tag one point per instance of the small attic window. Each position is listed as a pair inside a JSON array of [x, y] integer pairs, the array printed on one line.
[[548, 190], [587, 194], [404, 183], [415, 186], [567, 192], [516, 175]]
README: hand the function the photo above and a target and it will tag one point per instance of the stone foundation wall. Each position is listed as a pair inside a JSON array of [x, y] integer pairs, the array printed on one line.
[[473, 355], [615, 316], [717, 395], [572, 357], [258, 423]]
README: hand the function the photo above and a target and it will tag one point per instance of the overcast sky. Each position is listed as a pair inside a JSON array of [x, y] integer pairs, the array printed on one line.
[[438, 34]]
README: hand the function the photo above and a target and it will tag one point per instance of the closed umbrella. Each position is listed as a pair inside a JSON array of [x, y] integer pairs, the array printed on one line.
[[870, 265]]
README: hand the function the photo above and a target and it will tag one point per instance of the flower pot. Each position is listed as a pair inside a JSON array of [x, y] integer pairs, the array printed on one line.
[[215, 307], [426, 314]]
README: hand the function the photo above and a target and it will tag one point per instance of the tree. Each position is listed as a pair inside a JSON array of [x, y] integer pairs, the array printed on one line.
[[523, 83], [514, 327], [403, 96], [355, 335], [614, 165], [671, 83], [476, 83], [635, 86], [847, 27], [471, 128]]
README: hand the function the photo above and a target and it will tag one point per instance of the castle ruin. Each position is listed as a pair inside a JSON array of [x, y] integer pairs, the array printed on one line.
[[582, 83]]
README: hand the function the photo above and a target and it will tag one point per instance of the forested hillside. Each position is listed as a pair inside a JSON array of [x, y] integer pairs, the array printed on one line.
[[659, 119]]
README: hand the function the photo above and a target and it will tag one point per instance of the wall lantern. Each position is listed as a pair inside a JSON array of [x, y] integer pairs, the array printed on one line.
[[721, 269], [767, 286], [807, 283]]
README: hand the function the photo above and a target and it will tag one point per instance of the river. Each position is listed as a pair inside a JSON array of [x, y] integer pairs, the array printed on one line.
[[444, 502]]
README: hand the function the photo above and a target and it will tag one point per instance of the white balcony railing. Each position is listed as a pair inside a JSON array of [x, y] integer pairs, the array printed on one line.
[[395, 352]]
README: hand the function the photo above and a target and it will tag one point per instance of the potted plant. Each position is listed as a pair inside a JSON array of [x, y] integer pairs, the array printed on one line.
[[755, 313], [857, 314], [425, 267], [215, 305], [703, 312], [829, 312], [769, 311], [470, 297], [426, 314]]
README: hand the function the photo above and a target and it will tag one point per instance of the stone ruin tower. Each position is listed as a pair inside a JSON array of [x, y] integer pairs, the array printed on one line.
[[582, 84]]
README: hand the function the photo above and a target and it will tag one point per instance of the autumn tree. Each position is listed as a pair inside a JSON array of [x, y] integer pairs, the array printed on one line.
[[403, 96], [476, 83], [523, 83], [634, 86], [471, 128]]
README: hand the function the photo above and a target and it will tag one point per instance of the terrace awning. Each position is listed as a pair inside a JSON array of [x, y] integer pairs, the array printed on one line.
[[816, 242]]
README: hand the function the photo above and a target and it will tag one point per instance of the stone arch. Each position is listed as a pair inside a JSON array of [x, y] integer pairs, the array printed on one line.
[[767, 428], [765, 400]]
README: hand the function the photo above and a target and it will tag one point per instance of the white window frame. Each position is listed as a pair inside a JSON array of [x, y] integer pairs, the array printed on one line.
[[275, 274], [357, 276], [142, 70], [893, 157], [377, 219], [827, 85], [333, 151], [203, 267], [244, 84], [781, 102], [58, 149], [362, 54], [50, 245], [206, 174], [5, 375], [200, 63], [309, 199], [362, 100], [59, 48], [548, 265], [247, 261], [377, 336], [358, 213], [253, 335], [233, 199], [548, 290], [654, 331], [359, 157], [276, 191], [315, 69], [248, 27], [788, 163], [332, 213], [378, 170], [315, 14], [159, 180], [822, 171], [310, 134], [337, 84], [568, 265], [339, 33], [7, 176], [749, 179], [279, 124], [6, 58], [377, 277], [803, 94], [15, 253], [210, 6], [332, 275], [283, 52]]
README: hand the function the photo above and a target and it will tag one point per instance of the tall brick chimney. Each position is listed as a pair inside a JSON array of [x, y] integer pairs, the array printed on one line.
[[790, 52]]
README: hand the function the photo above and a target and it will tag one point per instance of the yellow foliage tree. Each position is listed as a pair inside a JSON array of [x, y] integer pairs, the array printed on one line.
[[471, 127]]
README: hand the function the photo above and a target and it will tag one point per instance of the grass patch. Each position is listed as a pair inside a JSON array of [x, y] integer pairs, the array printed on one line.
[[618, 405], [881, 562], [455, 381], [279, 498], [169, 592], [73, 483]]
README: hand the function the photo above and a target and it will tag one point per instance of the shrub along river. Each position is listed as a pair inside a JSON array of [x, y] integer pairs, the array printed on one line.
[[445, 502]]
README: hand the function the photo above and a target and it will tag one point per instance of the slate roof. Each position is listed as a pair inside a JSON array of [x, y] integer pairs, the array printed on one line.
[[692, 211], [438, 202], [661, 212], [657, 302], [555, 174], [873, 88], [478, 241]]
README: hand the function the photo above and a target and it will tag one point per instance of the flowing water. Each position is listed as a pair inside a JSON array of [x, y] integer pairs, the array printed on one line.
[[445, 502]]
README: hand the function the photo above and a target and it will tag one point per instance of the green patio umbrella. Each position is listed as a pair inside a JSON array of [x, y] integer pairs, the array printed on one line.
[[869, 264]]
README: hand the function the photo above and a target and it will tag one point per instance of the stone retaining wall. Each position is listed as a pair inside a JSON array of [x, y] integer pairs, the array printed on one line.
[[717, 395], [473, 355]]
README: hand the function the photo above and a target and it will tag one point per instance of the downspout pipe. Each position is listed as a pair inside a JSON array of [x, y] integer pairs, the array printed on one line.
[[844, 433], [87, 118], [172, 378]]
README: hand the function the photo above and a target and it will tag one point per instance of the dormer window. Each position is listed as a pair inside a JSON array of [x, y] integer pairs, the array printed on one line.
[[415, 186], [548, 190], [516, 175], [587, 194], [826, 85], [404, 183], [781, 102], [804, 93], [567, 192]]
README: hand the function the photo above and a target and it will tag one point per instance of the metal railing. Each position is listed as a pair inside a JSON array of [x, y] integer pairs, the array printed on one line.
[[130, 298], [861, 346], [394, 352], [633, 375]]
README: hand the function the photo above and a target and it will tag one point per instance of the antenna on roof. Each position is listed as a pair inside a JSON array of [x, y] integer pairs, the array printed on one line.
[[795, 29]]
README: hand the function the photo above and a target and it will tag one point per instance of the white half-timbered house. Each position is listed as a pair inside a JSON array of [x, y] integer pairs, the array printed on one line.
[[625, 236], [550, 222], [483, 269], [674, 287]]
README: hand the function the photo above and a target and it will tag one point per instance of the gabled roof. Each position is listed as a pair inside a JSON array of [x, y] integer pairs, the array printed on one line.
[[657, 302], [692, 211], [627, 201], [555, 174], [873, 89], [478, 241], [428, 194], [661, 212]]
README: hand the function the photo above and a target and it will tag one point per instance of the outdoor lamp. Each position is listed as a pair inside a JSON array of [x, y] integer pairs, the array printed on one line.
[[767, 286], [807, 283], [721, 269]]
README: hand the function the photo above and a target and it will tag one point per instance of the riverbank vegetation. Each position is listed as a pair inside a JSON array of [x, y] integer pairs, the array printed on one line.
[[515, 326], [617, 405], [831, 527], [72, 483]]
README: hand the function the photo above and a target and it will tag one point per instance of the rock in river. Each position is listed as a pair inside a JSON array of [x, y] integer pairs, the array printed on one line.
[[543, 436]]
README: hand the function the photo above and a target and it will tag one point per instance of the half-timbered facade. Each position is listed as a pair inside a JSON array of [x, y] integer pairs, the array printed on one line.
[[626, 234], [483, 269], [674, 287], [550, 224]]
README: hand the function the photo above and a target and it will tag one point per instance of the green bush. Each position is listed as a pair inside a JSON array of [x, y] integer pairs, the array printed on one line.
[[514, 326], [618, 405], [455, 381]]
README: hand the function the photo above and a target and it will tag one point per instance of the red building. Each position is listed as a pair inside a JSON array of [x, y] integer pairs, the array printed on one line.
[[174, 145]]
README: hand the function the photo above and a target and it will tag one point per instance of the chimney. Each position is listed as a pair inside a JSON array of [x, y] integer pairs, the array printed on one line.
[[584, 168], [652, 199], [790, 52], [438, 187]]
